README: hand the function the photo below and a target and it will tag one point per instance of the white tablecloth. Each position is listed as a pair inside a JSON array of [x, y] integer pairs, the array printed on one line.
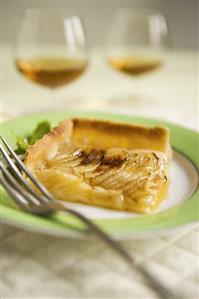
[[44, 267]]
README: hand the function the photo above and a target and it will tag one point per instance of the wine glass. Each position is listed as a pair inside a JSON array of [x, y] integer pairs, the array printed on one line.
[[51, 47], [136, 42]]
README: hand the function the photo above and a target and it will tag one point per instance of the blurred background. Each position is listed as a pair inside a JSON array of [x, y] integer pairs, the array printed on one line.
[[182, 17], [100, 85]]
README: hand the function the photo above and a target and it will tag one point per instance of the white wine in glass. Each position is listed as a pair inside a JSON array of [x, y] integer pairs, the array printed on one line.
[[136, 42], [51, 71], [51, 48], [134, 64]]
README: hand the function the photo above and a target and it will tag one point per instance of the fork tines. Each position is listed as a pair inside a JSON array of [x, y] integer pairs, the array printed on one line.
[[14, 176], [21, 166]]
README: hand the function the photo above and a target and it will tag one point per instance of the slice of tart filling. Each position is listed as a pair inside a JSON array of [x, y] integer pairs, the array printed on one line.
[[74, 168]]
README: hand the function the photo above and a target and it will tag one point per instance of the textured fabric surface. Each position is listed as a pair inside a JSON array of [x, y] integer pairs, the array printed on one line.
[[38, 266], [44, 267]]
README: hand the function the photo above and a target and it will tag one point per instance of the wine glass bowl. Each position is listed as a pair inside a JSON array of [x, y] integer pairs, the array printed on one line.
[[136, 42], [51, 48]]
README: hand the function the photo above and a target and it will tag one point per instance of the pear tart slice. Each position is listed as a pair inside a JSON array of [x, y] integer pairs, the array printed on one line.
[[76, 164]]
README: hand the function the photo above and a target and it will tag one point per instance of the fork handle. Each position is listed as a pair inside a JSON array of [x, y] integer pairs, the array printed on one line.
[[154, 284]]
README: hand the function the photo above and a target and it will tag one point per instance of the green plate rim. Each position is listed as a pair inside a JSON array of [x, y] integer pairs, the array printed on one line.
[[184, 140]]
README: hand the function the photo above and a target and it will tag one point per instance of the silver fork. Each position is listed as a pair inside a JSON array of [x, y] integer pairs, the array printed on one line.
[[12, 179]]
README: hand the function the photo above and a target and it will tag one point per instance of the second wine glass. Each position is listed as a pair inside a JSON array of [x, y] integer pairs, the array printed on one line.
[[51, 48], [136, 42]]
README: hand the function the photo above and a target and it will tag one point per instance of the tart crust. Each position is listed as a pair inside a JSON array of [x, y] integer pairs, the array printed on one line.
[[102, 163]]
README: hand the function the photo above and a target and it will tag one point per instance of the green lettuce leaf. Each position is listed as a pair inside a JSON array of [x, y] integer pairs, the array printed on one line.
[[22, 143], [41, 129]]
